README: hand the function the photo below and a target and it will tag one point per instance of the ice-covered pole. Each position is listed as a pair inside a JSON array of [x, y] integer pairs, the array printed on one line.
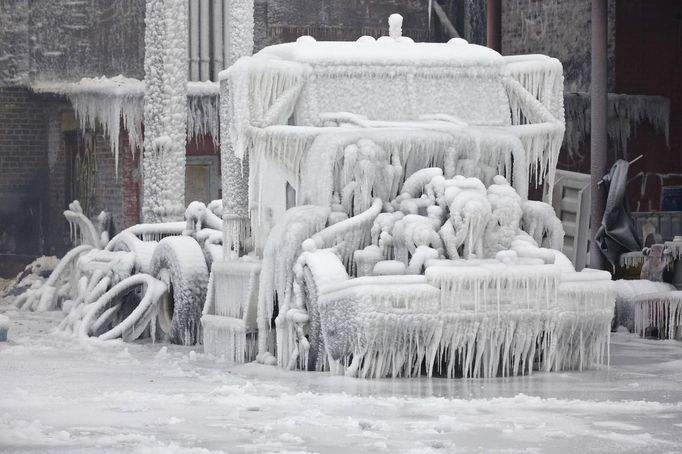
[[165, 110], [494, 25], [599, 126], [235, 170]]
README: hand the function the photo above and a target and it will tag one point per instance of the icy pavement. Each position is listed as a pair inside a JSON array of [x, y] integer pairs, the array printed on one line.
[[63, 395]]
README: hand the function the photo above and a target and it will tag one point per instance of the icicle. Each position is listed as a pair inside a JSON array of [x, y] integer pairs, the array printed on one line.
[[203, 111], [110, 101]]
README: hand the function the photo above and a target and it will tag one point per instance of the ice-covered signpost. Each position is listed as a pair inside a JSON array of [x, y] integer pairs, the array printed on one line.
[[165, 110]]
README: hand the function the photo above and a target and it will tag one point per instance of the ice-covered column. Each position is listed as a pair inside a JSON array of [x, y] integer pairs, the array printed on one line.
[[165, 110], [235, 170]]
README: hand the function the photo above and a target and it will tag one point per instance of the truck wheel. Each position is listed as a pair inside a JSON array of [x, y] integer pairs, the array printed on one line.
[[179, 262]]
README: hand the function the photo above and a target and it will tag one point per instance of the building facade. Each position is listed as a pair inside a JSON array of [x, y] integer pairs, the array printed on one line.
[[48, 157]]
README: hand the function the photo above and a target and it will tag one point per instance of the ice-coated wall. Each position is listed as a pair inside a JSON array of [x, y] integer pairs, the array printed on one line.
[[64, 40]]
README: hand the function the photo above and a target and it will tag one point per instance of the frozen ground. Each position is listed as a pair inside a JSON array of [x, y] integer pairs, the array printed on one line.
[[62, 395]]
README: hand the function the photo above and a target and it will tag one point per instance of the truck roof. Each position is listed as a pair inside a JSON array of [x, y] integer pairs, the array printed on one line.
[[383, 51]]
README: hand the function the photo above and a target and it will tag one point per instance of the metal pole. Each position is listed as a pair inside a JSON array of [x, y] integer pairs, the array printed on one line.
[[494, 24], [599, 116]]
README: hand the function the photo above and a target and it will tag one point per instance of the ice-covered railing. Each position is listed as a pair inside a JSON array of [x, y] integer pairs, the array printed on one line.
[[542, 77], [535, 89]]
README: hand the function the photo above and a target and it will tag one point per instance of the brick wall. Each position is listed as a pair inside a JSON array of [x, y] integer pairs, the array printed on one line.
[[23, 170], [129, 173], [278, 21], [558, 28]]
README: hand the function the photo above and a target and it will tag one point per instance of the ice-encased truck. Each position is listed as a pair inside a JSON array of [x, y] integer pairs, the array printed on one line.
[[376, 216], [375, 222]]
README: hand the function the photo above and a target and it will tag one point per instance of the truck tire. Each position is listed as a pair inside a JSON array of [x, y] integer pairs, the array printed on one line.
[[316, 355], [179, 262]]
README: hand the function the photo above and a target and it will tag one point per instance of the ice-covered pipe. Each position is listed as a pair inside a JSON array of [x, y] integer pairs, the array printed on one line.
[[194, 40], [217, 38], [205, 28]]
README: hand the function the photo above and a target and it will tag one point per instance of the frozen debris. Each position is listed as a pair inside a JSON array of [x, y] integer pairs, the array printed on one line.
[[48, 295], [5, 324], [32, 277], [627, 292]]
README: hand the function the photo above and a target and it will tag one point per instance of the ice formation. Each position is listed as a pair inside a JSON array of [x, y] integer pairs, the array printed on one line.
[[414, 302], [165, 110], [626, 112], [203, 110], [110, 102], [627, 292], [661, 312], [147, 281], [407, 166]]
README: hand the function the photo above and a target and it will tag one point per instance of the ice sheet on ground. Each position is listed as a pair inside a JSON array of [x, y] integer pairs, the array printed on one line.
[[60, 395]]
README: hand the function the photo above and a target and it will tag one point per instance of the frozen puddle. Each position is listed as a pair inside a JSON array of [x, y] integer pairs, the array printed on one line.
[[62, 395]]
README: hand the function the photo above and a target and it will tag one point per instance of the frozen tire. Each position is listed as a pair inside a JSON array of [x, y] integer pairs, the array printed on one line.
[[179, 262], [316, 355]]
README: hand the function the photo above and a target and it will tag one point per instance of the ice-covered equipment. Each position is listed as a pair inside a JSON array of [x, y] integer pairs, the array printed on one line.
[[149, 280], [385, 228]]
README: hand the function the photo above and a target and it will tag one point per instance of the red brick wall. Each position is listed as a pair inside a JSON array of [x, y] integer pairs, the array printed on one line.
[[130, 183]]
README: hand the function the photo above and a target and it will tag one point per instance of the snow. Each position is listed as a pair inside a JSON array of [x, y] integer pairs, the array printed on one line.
[[5, 324], [65, 396]]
